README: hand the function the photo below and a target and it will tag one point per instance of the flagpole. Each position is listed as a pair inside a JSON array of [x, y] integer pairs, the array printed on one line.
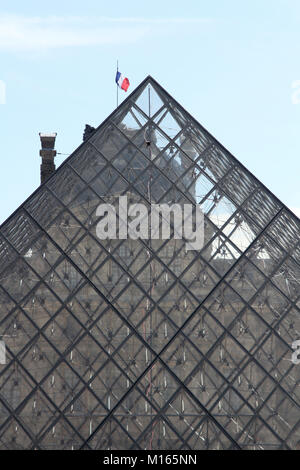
[[117, 85]]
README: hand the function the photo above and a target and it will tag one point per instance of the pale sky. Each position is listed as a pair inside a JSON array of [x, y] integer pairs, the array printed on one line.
[[234, 65]]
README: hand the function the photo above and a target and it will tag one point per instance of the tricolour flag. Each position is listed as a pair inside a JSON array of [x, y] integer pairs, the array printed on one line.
[[122, 82]]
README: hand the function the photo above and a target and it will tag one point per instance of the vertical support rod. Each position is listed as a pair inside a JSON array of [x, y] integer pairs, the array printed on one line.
[[149, 100], [117, 85]]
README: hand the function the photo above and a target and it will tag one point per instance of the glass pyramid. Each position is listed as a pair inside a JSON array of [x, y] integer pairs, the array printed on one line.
[[141, 344]]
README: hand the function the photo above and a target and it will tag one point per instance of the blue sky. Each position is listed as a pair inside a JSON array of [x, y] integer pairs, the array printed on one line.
[[230, 63]]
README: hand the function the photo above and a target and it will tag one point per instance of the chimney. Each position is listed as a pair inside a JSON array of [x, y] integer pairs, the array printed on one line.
[[47, 153], [88, 132]]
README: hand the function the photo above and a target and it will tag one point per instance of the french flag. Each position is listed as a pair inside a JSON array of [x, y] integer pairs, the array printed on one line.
[[122, 82]]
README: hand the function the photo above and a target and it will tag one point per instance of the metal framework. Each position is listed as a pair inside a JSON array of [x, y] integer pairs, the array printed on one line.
[[140, 344]]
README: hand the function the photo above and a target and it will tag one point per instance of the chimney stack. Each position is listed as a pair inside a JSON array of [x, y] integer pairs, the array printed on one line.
[[88, 131], [47, 153]]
